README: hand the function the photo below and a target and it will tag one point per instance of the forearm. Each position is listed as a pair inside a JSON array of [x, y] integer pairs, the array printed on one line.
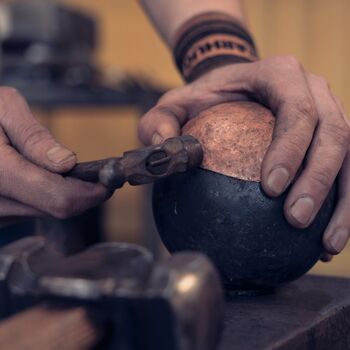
[[169, 15]]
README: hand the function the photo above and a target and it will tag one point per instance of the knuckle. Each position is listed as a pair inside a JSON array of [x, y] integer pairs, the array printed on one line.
[[10, 92], [166, 110], [170, 95], [319, 80], [172, 111], [292, 62], [292, 147], [287, 62], [322, 180], [33, 135], [163, 99], [305, 110], [339, 132]]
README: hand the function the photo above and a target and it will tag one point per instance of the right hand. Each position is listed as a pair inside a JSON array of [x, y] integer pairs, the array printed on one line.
[[31, 162], [311, 129]]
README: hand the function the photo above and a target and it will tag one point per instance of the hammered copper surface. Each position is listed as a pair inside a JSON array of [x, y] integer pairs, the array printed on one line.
[[234, 137]]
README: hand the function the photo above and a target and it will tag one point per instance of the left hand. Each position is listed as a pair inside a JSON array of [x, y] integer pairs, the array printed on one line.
[[311, 128]]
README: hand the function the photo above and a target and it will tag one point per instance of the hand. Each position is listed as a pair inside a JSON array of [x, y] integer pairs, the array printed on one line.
[[30, 163], [311, 127]]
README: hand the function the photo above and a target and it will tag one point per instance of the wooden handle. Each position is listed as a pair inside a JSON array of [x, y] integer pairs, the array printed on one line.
[[46, 328], [88, 171]]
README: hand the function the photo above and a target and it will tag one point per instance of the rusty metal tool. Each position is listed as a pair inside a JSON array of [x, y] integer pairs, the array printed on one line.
[[112, 295], [143, 165]]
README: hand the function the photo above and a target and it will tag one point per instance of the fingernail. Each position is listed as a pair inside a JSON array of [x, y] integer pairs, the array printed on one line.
[[59, 155], [278, 180], [338, 240], [302, 210], [325, 257], [157, 139]]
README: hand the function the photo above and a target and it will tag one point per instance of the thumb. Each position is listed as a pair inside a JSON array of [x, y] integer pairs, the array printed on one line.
[[29, 137], [162, 121]]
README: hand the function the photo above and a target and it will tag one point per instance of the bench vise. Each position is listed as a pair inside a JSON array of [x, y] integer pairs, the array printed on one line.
[[110, 296]]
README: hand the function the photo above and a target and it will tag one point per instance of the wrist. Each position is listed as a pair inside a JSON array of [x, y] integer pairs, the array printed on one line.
[[209, 41]]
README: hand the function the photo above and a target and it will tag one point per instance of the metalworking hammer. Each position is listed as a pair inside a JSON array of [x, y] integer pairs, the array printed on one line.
[[144, 165], [112, 295]]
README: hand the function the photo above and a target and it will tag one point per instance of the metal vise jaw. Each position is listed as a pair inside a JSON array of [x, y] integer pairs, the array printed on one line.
[[175, 304]]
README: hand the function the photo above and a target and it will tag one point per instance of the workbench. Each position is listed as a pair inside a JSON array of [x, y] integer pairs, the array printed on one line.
[[312, 313]]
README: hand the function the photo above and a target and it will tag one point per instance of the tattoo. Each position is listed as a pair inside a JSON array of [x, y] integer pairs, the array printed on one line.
[[211, 40]]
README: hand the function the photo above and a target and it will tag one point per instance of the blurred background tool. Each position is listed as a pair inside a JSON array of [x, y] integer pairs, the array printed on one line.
[[112, 295], [47, 52]]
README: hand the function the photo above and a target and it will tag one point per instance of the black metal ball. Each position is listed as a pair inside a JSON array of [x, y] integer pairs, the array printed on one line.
[[242, 230]]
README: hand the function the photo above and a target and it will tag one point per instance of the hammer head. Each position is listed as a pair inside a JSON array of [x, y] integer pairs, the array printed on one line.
[[174, 304], [149, 164]]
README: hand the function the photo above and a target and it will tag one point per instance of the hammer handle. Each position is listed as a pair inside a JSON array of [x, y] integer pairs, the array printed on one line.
[[46, 328], [88, 171]]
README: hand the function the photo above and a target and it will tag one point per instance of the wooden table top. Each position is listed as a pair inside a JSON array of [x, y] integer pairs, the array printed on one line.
[[312, 313]]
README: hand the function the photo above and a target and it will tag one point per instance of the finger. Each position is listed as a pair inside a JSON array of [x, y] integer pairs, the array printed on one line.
[[45, 191], [326, 257], [12, 208], [179, 105], [13, 212], [324, 158], [338, 230], [159, 124], [29, 137], [286, 92], [164, 120]]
